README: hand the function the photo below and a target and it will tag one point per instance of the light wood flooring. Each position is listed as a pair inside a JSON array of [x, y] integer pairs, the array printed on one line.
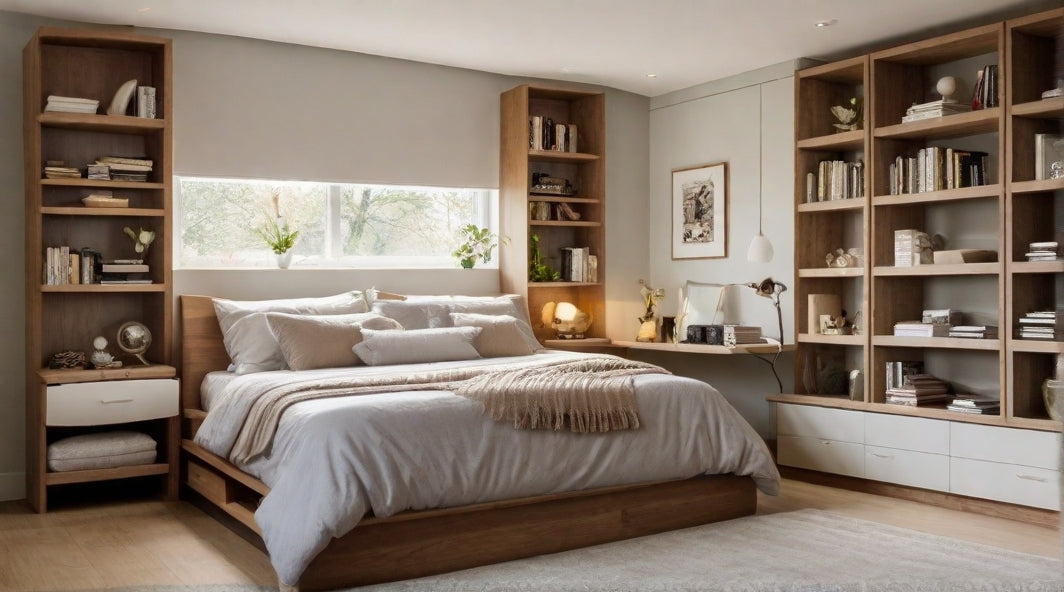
[[142, 543]]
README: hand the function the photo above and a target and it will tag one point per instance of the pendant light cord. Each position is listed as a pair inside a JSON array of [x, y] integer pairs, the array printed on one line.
[[760, 156]]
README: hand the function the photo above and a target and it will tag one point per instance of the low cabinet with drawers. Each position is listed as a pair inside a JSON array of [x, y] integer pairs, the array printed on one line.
[[1012, 465], [143, 399]]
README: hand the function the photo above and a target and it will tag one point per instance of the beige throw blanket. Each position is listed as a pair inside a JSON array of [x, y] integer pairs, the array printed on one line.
[[591, 395]]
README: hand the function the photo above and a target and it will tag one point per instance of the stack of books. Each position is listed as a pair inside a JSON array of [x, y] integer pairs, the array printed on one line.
[[71, 104], [943, 316], [121, 168], [920, 329], [741, 335], [974, 331], [898, 371], [933, 109], [919, 390], [124, 271], [59, 170], [986, 88], [1044, 251], [100, 172], [976, 405], [60, 267], [912, 247], [1040, 324], [574, 264], [837, 179], [936, 168]]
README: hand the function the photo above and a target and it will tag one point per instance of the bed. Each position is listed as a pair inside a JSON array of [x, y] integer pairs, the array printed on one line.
[[399, 521]]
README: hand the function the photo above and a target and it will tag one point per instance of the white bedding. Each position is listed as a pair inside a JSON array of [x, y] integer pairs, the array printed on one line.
[[335, 460]]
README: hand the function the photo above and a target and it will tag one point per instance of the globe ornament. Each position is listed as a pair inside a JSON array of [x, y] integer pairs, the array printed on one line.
[[134, 338], [947, 85]]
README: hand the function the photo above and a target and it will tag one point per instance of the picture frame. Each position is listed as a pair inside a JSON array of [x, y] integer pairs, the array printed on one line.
[[700, 211]]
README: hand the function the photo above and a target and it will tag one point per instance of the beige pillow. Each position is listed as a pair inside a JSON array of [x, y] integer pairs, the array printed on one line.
[[500, 335], [323, 341], [443, 344]]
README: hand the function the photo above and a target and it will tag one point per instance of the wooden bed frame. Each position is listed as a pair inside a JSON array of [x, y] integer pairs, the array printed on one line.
[[414, 544]]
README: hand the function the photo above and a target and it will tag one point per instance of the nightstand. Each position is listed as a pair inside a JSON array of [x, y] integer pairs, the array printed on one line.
[[143, 399]]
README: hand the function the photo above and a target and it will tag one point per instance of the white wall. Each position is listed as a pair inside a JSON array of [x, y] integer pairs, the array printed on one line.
[[748, 122], [249, 108]]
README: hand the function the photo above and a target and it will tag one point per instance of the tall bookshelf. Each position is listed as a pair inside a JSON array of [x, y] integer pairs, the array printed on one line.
[[93, 64], [585, 169], [930, 447]]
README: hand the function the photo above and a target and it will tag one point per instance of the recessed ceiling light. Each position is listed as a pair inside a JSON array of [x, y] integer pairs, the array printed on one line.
[[827, 23], [145, 9], [652, 75]]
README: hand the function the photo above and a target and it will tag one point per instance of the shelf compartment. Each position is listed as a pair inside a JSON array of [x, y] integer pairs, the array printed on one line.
[[842, 141], [570, 223], [937, 342], [560, 156], [1043, 109], [831, 272], [852, 204], [937, 270], [118, 124], [1024, 267], [944, 195], [1035, 346], [102, 184], [545, 285], [563, 199], [847, 340], [103, 288], [950, 126], [1037, 186], [1029, 370], [67, 477], [84, 211]]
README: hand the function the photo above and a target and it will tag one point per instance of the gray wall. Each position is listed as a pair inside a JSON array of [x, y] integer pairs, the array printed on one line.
[[249, 108]]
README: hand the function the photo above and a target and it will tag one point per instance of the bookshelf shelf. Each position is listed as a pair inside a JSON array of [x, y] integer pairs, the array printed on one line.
[[840, 142], [962, 193], [562, 199], [1037, 267], [950, 126], [1039, 186], [1043, 109], [1033, 346], [838, 205], [831, 272], [562, 223], [84, 211], [104, 288], [555, 285], [102, 184], [937, 342], [857, 340], [119, 124], [938, 270], [559, 156]]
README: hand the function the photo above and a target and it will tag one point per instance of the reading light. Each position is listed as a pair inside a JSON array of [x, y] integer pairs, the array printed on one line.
[[652, 75], [768, 288], [760, 250]]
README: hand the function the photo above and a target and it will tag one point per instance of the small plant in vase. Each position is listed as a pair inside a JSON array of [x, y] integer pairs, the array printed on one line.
[[477, 243], [648, 327], [278, 236], [142, 239], [538, 271]]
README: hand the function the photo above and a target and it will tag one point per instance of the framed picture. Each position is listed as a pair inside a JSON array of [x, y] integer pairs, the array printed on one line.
[[700, 212]]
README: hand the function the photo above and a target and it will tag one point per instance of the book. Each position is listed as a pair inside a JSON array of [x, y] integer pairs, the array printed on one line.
[[145, 105], [918, 329], [896, 372], [71, 104], [108, 267], [535, 132], [125, 160]]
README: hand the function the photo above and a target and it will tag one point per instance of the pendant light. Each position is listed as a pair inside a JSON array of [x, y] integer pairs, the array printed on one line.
[[760, 250]]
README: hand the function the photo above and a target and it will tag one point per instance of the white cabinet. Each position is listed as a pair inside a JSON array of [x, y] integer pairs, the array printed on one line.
[[114, 401], [1005, 464]]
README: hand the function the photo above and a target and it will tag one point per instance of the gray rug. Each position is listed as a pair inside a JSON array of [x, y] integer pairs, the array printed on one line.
[[807, 550]]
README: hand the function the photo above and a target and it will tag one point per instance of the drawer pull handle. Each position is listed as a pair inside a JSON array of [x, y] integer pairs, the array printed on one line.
[[110, 401], [1033, 478], [887, 456]]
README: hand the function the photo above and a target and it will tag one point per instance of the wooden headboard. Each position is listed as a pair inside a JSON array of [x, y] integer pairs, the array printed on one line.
[[202, 349]]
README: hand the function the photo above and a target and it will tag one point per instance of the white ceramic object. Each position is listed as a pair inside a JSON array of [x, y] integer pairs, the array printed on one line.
[[947, 85], [120, 102]]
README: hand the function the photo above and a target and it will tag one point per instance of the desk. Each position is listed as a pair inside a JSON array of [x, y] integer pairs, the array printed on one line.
[[701, 348]]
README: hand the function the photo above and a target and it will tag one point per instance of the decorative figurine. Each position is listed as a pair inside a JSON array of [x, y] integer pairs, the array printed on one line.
[[849, 117], [101, 358]]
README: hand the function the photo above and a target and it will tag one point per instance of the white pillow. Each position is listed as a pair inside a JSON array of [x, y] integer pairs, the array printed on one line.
[[246, 334], [323, 341], [380, 348], [500, 335], [423, 312]]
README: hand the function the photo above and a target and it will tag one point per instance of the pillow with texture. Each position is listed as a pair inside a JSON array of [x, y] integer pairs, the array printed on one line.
[[380, 348], [323, 341], [246, 334], [500, 335], [422, 312]]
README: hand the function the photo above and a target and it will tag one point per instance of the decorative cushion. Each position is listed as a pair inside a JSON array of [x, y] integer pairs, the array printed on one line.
[[379, 348], [323, 341], [246, 334], [101, 450], [500, 335], [423, 312]]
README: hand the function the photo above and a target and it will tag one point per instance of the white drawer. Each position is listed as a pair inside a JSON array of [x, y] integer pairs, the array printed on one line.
[[1030, 448], [1028, 486], [829, 456], [117, 401], [820, 422], [907, 433], [906, 467]]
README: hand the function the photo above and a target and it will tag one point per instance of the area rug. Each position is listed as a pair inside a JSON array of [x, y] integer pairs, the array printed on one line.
[[805, 550]]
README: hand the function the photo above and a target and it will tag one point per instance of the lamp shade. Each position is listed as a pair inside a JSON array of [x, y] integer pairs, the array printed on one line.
[[760, 250]]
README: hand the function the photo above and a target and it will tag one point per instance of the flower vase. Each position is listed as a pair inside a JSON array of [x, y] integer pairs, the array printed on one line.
[[467, 263], [284, 259], [648, 331]]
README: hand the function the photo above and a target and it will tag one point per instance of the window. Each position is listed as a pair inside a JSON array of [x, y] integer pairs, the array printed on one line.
[[340, 225]]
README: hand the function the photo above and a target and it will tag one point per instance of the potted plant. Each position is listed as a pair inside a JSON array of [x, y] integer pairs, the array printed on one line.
[[477, 243], [280, 238], [538, 271]]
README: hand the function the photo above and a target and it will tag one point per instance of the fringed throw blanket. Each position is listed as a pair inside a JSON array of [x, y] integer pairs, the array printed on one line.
[[590, 395]]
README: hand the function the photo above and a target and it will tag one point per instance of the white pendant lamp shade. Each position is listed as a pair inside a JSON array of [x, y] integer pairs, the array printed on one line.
[[760, 250]]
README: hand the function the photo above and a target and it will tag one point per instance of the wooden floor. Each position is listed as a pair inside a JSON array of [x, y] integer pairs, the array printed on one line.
[[144, 543]]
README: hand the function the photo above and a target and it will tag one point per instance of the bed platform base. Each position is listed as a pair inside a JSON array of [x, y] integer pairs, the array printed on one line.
[[421, 543]]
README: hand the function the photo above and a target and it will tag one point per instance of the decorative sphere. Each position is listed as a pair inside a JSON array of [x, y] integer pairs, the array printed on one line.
[[134, 337], [100, 342], [946, 86]]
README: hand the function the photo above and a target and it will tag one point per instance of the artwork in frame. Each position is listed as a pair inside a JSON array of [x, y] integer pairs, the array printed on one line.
[[700, 211]]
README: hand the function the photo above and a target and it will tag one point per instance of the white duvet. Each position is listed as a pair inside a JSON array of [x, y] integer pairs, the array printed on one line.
[[335, 460]]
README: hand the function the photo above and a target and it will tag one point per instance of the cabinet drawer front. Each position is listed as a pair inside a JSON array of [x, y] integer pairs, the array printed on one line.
[[118, 401], [1030, 448], [1028, 486], [829, 456], [907, 433], [820, 422], [906, 467]]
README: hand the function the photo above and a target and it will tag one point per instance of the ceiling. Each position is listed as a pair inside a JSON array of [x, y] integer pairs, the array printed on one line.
[[615, 43]]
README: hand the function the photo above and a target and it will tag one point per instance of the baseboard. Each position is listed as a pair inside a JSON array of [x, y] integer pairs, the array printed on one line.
[[12, 486], [1036, 516]]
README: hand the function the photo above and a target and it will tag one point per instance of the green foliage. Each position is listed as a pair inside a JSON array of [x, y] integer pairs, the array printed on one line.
[[279, 237], [477, 243], [538, 271]]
